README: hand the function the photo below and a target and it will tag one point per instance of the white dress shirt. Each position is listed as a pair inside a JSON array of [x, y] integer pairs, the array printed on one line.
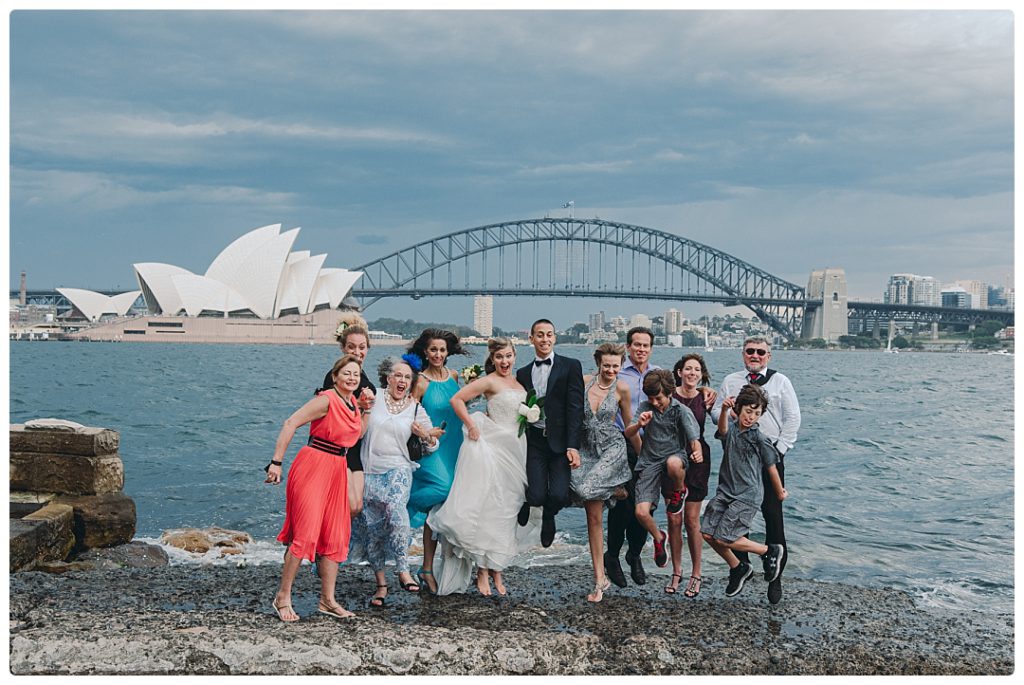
[[540, 374], [781, 421]]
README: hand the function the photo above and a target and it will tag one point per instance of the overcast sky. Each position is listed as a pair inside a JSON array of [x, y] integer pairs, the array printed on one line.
[[881, 142]]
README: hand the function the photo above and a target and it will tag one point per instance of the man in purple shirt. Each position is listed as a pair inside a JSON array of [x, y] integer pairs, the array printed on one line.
[[622, 523]]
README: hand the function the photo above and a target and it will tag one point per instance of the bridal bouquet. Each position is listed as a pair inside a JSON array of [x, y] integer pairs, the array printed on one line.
[[530, 411], [471, 373]]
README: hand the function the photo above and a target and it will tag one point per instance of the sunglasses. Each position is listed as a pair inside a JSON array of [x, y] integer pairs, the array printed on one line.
[[750, 351]]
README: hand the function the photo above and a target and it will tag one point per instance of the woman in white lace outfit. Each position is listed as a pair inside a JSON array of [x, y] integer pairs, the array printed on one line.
[[477, 522]]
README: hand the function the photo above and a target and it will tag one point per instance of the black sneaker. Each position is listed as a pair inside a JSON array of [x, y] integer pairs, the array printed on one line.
[[675, 502], [613, 569], [737, 578], [636, 568], [773, 561], [775, 591]]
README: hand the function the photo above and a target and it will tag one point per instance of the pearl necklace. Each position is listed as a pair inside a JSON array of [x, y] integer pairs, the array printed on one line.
[[444, 373], [395, 406], [605, 387]]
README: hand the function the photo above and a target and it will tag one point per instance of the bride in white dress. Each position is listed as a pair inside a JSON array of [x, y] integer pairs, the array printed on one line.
[[477, 523]]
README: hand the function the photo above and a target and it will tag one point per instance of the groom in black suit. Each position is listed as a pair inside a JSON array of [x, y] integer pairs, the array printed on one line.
[[552, 443]]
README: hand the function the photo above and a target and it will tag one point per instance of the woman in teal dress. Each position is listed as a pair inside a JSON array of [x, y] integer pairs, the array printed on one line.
[[433, 479]]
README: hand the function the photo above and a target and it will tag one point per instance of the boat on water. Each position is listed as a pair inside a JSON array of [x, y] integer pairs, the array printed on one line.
[[707, 347], [1002, 353]]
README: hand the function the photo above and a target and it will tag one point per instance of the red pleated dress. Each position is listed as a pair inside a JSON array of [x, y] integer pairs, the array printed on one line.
[[316, 518]]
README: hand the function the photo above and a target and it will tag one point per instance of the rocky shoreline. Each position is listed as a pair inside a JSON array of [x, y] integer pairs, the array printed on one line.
[[219, 620]]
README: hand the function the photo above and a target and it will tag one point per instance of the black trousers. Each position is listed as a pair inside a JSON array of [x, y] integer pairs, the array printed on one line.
[[547, 474], [771, 510], [622, 523]]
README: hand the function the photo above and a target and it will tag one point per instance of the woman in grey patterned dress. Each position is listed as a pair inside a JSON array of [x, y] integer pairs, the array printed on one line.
[[603, 468]]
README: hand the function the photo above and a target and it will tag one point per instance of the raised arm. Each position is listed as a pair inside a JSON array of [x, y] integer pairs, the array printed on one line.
[[316, 408], [723, 415]]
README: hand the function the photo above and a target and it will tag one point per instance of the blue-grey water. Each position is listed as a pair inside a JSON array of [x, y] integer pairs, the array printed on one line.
[[902, 474]]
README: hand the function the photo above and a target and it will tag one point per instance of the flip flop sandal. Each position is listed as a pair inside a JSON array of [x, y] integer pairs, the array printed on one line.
[[693, 587], [673, 586], [281, 608], [376, 601], [333, 611]]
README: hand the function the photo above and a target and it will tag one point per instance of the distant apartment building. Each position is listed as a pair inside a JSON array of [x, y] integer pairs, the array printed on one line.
[[978, 290], [483, 314], [912, 289], [596, 321], [640, 320], [673, 322], [619, 324], [955, 296]]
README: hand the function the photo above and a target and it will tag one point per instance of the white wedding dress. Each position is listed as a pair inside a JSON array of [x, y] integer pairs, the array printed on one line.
[[477, 523]]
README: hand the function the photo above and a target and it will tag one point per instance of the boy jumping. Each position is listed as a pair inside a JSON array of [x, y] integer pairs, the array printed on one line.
[[669, 428], [728, 515]]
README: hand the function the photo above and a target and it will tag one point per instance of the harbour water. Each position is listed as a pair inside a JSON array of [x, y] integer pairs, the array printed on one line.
[[902, 475]]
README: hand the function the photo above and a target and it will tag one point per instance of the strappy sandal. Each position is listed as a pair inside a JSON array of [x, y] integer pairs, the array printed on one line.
[[693, 587], [281, 608], [599, 590], [376, 601], [334, 610], [673, 585], [421, 575], [411, 586]]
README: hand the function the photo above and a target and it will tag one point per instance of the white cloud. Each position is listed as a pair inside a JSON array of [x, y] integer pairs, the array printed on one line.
[[577, 168], [100, 192]]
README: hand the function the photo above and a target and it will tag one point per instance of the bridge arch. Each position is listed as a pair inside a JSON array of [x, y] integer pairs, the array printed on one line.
[[560, 256]]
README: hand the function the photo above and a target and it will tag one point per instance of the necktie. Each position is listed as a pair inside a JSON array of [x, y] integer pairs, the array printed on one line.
[[539, 362], [753, 376]]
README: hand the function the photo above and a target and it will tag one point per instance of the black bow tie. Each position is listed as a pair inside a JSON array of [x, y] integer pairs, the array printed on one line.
[[538, 362]]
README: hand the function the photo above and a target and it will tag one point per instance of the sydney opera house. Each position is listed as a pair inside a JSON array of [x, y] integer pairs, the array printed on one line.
[[256, 290]]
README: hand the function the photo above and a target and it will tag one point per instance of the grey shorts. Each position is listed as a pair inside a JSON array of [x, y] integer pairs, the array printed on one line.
[[652, 480], [728, 520]]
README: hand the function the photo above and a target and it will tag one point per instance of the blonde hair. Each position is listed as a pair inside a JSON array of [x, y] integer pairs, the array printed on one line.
[[351, 323]]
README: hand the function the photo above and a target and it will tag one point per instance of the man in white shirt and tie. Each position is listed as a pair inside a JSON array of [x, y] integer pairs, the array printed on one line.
[[780, 423]]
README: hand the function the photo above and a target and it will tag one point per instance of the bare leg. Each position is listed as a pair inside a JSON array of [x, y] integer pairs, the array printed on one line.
[[483, 582], [675, 542], [355, 492], [745, 544], [723, 551], [328, 576], [429, 549], [499, 582], [677, 472], [691, 518], [283, 598], [595, 516], [644, 518]]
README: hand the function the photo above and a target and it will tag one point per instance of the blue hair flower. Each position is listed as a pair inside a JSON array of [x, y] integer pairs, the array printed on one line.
[[413, 360]]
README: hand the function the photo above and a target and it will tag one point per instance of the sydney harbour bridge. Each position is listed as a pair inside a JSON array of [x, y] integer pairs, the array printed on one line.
[[594, 258], [567, 257]]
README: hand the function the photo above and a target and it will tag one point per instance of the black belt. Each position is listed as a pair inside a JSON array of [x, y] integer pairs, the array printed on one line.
[[327, 446]]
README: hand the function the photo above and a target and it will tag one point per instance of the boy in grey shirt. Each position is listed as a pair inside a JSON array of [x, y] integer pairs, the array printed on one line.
[[730, 512], [669, 428]]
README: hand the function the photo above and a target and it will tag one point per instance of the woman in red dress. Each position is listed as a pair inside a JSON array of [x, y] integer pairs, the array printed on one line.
[[316, 521]]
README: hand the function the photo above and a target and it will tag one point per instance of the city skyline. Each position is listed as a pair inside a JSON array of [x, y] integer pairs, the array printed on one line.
[[142, 136]]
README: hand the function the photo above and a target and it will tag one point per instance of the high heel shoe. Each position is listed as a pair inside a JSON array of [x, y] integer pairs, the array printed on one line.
[[598, 593], [421, 575]]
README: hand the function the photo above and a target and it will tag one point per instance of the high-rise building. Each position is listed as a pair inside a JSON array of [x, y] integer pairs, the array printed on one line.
[[483, 314], [912, 289], [597, 322], [955, 296], [673, 322], [978, 292]]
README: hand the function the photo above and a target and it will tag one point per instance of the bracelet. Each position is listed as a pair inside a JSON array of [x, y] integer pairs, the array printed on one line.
[[272, 463]]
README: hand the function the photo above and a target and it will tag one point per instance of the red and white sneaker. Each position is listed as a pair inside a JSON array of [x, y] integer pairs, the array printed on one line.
[[660, 556]]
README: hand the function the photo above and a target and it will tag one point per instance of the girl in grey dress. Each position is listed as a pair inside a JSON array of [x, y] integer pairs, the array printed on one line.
[[603, 468]]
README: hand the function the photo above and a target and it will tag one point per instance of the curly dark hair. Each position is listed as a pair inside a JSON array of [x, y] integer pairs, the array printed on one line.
[[419, 346], [705, 375]]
